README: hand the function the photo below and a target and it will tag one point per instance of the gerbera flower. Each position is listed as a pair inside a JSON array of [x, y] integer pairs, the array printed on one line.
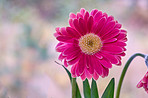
[[144, 83], [91, 44]]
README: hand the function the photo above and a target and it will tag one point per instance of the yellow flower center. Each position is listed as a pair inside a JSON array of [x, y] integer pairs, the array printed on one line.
[[90, 43]]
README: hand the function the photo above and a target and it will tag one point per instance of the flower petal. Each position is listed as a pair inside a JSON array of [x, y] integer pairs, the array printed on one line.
[[105, 62], [112, 49], [82, 64], [105, 72], [95, 76], [110, 35], [93, 12], [70, 50], [90, 23], [73, 32], [79, 15], [110, 40], [72, 16], [110, 57], [82, 24], [98, 26], [86, 15], [97, 16], [82, 11], [77, 27], [107, 28]]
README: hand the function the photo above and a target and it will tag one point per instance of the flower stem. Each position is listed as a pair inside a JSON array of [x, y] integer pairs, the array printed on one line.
[[124, 71], [73, 87]]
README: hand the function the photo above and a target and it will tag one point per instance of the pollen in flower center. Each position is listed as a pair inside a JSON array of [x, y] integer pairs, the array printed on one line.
[[90, 43]]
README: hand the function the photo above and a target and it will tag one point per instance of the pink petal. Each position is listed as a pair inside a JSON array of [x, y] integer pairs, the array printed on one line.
[[118, 25], [82, 64], [98, 67], [83, 76], [110, 18], [110, 35], [99, 56], [64, 38], [112, 49], [87, 61], [110, 40], [73, 32], [71, 23], [82, 11], [98, 26], [122, 54], [73, 55], [61, 57], [111, 58], [56, 34], [79, 15], [73, 70], [64, 32], [73, 61], [121, 36], [58, 30], [88, 75], [61, 48], [105, 72], [70, 50], [86, 15], [65, 63], [72, 16], [97, 16], [59, 44], [91, 65], [93, 12], [95, 76], [82, 25], [105, 15], [77, 27], [118, 43], [90, 23], [139, 84], [107, 28], [106, 63], [123, 31]]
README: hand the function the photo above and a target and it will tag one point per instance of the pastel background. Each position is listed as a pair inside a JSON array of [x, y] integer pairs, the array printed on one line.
[[27, 46]]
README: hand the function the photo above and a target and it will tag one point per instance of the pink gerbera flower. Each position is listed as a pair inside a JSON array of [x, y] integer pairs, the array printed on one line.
[[91, 44], [144, 83]]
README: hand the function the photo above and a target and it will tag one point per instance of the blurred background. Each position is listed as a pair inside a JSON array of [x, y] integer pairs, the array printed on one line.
[[27, 46]]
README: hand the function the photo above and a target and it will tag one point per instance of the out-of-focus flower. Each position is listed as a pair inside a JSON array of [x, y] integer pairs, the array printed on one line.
[[144, 83], [91, 44]]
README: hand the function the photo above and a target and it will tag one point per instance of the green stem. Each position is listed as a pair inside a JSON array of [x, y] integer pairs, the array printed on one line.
[[124, 71], [73, 87]]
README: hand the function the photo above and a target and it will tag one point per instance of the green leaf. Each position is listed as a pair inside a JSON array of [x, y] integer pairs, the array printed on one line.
[[78, 92], [69, 74], [86, 89], [109, 91], [75, 88], [94, 89]]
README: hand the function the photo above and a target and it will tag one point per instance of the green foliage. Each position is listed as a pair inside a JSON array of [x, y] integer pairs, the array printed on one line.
[[94, 89], [109, 91], [86, 89], [75, 88]]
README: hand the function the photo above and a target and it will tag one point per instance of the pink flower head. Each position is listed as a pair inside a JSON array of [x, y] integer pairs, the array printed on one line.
[[144, 83], [91, 44]]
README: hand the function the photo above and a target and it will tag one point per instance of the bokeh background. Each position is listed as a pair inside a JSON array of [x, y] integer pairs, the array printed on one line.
[[27, 46]]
